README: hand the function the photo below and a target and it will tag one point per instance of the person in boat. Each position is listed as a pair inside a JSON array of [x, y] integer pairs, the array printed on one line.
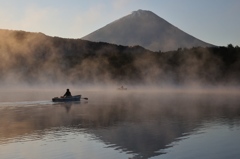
[[67, 94]]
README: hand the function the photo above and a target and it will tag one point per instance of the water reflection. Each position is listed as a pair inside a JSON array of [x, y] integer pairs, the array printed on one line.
[[138, 124]]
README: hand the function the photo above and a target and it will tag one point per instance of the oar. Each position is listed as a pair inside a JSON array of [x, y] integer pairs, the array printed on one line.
[[85, 98]]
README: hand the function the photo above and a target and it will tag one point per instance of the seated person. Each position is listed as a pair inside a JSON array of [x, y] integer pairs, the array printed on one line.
[[67, 94]]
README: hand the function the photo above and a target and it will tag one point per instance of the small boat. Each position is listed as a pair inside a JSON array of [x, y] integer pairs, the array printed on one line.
[[67, 99], [122, 88]]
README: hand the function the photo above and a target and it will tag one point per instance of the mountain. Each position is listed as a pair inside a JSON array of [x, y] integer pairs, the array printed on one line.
[[146, 29]]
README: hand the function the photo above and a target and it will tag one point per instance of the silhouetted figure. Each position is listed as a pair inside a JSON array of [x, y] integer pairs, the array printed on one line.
[[67, 94]]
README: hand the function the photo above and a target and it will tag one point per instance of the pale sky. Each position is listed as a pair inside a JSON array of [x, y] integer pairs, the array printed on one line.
[[213, 21]]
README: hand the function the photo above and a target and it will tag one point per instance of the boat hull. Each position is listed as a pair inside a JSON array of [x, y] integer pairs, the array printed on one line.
[[67, 99], [122, 88]]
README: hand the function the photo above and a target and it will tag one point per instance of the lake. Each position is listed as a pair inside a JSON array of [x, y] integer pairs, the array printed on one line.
[[127, 124]]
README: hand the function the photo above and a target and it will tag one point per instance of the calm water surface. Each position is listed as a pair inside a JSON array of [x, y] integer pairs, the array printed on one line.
[[120, 125]]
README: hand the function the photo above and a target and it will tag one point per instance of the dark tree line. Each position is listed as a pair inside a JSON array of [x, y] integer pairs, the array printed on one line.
[[35, 58]]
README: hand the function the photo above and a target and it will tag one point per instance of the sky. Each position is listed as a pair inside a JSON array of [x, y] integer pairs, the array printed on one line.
[[213, 21]]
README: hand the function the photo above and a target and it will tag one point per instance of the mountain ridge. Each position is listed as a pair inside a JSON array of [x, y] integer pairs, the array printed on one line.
[[35, 59], [146, 29]]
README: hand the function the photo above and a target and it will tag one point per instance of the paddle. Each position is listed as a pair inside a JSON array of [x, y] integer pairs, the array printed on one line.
[[85, 98]]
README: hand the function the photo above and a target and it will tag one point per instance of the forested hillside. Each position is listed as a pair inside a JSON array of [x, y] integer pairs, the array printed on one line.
[[35, 58]]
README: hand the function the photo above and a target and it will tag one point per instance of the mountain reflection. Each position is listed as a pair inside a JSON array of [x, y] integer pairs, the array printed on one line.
[[142, 125]]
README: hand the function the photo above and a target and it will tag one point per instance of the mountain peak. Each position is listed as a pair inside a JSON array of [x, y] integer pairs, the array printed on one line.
[[141, 12], [146, 29]]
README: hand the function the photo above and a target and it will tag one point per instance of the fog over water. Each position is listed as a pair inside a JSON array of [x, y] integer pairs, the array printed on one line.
[[134, 123], [174, 101]]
